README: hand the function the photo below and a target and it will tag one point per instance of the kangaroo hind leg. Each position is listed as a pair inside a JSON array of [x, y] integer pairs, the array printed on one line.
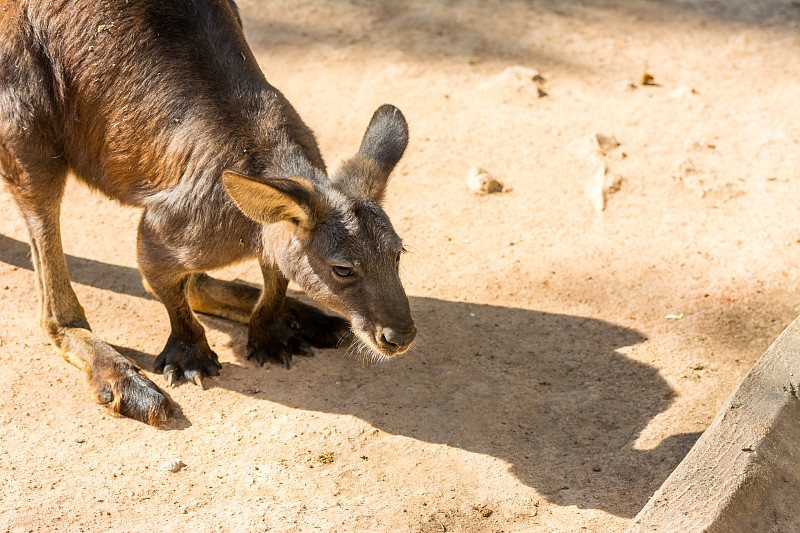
[[112, 380]]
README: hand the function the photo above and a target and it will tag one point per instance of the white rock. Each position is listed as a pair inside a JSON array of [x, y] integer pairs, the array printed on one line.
[[682, 92], [515, 82], [600, 185], [173, 465], [683, 168], [709, 185], [591, 146], [606, 142], [481, 182]]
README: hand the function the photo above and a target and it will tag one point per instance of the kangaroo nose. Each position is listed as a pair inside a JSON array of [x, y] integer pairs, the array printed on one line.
[[399, 339]]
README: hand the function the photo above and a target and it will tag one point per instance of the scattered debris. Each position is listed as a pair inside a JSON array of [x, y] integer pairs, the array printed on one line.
[[601, 184], [708, 185], [173, 465], [697, 366], [325, 458], [648, 79], [515, 82], [683, 168], [483, 510], [480, 181], [682, 92], [704, 184], [674, 317], [591, 146], [702, 145]]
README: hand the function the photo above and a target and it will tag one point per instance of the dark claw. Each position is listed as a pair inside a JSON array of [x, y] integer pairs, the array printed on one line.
[[194, 376], [192, 361], [304, 349], [287, 359], [211, 368], [163, 415], [171, 375]]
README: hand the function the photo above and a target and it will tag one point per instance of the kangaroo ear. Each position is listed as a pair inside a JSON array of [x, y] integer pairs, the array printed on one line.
[[381, 148], [275, 199]]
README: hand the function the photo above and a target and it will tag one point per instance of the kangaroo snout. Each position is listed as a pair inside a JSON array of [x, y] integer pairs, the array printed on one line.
[[395, 341]]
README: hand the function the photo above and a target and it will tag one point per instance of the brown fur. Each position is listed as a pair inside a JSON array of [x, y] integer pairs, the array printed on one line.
[[152, 103]]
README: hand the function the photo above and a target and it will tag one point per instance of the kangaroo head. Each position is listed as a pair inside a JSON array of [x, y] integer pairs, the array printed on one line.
[[337, 242]]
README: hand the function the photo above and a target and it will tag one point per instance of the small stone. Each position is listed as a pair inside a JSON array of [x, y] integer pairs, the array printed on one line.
[[590, 146], [683, 168], [709, 185], [173, 465], [600, 185], [597, 469], [515, 82], [701, 145], [682, 92], [606, 142], [480, 181], [325, 458]]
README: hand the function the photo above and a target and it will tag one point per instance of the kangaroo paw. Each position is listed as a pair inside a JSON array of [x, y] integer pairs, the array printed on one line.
[[316, 327], [113, 381], [191, 361], [126, 392], [278, 343]]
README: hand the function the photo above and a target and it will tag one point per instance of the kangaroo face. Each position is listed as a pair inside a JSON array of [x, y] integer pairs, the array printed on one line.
[[350, 264], [342, 250]]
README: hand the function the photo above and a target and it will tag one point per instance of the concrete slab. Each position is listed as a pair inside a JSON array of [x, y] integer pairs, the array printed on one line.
[[743, 474]]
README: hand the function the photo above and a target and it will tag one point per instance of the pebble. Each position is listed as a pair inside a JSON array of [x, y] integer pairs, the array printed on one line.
[[591, 146], [600, 185], [173, 465], [682, 92], [516, 81], [683, 168], [480, 181]]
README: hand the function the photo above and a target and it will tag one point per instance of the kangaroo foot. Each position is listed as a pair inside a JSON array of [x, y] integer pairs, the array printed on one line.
[[193, 361], [301, 327], [235, 301], [113, 381], [317, 328], [278, 342], [128, 393]]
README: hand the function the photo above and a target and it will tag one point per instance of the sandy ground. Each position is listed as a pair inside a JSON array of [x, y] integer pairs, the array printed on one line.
[[548, 391]]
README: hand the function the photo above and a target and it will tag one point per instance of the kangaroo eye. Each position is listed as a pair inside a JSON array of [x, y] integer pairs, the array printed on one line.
[[343, 272]]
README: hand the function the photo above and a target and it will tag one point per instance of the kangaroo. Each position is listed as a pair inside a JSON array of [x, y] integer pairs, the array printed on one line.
[[162, 105]]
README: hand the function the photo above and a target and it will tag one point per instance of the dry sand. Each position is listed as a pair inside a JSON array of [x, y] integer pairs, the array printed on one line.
[[548, 391]]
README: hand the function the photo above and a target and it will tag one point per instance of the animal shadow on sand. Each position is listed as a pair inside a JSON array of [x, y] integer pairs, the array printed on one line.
[[548, 394]]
